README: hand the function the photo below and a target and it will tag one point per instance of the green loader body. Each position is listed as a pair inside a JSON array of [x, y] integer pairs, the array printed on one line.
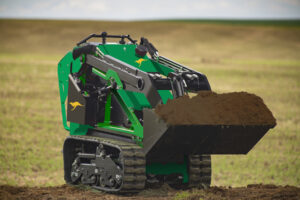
[[117, 143]]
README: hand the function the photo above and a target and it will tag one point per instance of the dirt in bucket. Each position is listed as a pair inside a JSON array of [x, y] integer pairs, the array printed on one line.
[[210, 108]]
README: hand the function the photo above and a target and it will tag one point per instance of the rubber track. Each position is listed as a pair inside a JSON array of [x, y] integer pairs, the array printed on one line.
[[134, 163], [199, 171]]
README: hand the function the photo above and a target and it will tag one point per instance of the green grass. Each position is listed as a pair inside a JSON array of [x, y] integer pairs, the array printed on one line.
[[181, 195], [257, 59], [31, 133]]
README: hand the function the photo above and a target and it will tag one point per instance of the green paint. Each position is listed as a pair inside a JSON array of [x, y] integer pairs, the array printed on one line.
[[161, 68], [116, 128], [78, 129], [110, 76], [63, 71], [126, 53], [136, 128], [135, 123], [169, 168], [129, 101], [82, 78], [165, 95], [138, 100]]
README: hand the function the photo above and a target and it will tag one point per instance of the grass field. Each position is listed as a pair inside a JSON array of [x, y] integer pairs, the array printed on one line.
[[264, 60]]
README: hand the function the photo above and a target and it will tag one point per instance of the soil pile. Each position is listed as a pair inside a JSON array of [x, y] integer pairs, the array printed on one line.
[[257, 191], [65, 192], [49, 193], [210, 108]]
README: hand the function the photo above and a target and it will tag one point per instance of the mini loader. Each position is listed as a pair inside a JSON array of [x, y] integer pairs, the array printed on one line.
[[117, 142]]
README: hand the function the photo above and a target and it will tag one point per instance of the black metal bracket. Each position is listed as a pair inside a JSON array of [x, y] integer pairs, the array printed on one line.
[[104, 35], [150, 47]]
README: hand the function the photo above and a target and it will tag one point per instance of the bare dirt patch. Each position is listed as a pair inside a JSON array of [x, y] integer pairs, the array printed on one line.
[[210, 108], [68, 192], [65, 192], [257, 191]]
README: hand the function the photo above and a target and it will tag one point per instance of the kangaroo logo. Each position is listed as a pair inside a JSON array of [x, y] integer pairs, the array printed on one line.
[[75, 104], [139, 61]]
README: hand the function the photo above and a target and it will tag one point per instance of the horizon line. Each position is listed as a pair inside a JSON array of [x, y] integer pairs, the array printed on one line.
[[147, 19]]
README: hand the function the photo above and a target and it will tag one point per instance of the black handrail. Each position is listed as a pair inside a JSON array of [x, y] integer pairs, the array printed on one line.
[[104, 35]]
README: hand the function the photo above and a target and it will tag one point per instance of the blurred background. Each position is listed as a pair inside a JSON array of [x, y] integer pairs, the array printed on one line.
[[251, 46]]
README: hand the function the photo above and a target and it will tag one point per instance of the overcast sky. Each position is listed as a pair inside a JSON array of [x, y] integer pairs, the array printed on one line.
[[151, 9]]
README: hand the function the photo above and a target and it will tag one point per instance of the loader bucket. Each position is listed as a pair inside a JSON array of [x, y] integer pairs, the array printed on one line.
[[169, 133], [160, 138]]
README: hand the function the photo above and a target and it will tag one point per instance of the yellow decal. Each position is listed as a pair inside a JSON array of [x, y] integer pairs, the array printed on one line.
[[139, 61], [75, 104]]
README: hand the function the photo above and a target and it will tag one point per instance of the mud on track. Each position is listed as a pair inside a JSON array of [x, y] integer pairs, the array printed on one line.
[[65, 192]]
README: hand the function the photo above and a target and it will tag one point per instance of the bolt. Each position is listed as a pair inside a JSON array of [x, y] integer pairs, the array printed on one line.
[[112, 182], [118, 177]]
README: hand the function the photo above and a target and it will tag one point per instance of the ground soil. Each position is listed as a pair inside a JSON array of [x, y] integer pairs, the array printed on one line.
[[210, 108], [65, 192]]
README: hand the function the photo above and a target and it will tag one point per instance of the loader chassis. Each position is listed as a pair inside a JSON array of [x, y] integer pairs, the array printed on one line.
[[116, 141]]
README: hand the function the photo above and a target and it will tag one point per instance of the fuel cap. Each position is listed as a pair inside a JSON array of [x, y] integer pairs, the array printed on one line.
[[141, 50]]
